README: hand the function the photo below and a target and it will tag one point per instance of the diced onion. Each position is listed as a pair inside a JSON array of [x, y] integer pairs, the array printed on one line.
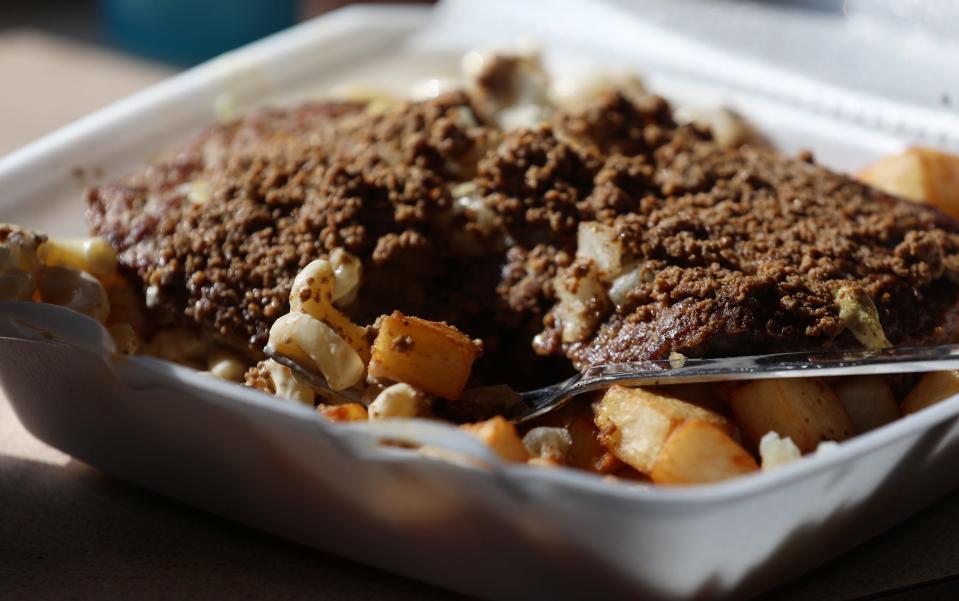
[[628, 281], [581, 300], [425, 89], [600, 244], [548, 443], [573, 91], [776, 451]]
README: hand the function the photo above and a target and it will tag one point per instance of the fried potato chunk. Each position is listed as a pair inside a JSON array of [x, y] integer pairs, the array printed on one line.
[[932, 388], [868, 400], [804, 409], [501, 436], [348, 412], [634, 423], [430, 356], [920, 174], [698, 452]]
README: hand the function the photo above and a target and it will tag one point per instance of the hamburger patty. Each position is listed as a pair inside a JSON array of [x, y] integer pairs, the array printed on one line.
[[459, 221]]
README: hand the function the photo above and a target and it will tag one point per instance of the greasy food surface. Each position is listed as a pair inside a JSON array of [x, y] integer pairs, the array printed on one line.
[[742, 250]]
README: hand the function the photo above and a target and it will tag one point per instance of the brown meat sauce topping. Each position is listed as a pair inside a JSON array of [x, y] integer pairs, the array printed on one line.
[[746, 247]]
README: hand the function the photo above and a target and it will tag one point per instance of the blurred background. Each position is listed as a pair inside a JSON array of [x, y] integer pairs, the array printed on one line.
[[70, 57], [65, 58]]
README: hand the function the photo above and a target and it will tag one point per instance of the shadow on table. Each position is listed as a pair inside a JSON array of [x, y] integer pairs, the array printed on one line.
[[74, 532], [915, 560]]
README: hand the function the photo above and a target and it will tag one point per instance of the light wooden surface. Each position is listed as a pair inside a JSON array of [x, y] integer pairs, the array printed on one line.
[[67, 531]]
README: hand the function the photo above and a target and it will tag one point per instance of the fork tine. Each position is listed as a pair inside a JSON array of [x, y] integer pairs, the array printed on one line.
[[543, 400], [315, 380]]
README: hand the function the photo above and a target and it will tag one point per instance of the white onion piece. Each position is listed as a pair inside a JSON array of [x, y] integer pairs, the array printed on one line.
[[548, 443], [600, 244], [629, 280], [523, 116], [425, 89], [582, 300], [776, 451], [573, 91]]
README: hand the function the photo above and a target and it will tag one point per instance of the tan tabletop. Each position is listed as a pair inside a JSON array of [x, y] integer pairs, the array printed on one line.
[[67, 531]]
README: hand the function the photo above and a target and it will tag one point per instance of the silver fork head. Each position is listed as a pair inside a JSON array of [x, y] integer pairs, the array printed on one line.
[[534, 403], [313, 379]]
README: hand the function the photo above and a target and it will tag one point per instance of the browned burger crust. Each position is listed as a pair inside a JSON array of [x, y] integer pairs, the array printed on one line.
[[747, 247]]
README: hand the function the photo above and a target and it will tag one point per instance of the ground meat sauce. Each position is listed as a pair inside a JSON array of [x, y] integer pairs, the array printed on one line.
[[745, 248]]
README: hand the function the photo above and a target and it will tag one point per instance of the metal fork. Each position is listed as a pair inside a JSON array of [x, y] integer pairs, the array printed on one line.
[[678, 370]]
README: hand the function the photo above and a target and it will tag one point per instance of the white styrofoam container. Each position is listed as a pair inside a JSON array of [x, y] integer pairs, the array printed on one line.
[[499, 531]]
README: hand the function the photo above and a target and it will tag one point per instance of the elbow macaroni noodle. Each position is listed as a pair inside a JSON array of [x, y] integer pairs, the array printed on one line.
[[60, 272], [93, 255], [286, 386], [226, 365], [396, 401], [311, 342], [347, 271], [77, 290], [312, 293], [315, 333]]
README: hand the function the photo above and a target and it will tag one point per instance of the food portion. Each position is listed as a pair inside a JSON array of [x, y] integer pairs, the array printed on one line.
[[603, 232], [920, 174], [420, 256], [434, 357]]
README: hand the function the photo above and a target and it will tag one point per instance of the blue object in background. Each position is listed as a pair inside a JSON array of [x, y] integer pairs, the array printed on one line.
[[186, 32]]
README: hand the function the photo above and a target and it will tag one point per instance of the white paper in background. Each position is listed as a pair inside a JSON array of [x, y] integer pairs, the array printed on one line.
[[863, 69], [894, 49]]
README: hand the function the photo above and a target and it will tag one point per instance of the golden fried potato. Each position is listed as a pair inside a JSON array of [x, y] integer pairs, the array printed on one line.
[[868, 400], [804, 409], [348, 412], [501, 436], [933, 387], [428, 355], [634, 423], [921, 174], [698, 452]]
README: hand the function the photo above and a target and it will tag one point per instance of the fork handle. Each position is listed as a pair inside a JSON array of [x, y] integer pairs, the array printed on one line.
[[755, 367]]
